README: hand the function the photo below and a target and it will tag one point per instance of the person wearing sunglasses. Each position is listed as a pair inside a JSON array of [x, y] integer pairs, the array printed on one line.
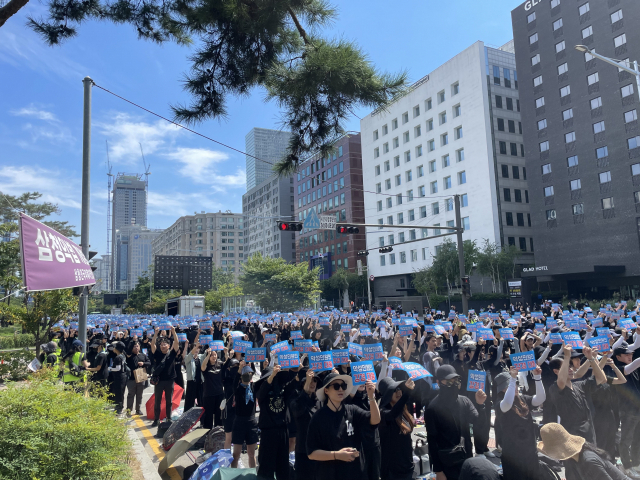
[[447, 420], [335, 431]]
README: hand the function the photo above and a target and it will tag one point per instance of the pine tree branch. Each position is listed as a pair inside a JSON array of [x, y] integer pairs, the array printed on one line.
[[301, 30], [11, 9]]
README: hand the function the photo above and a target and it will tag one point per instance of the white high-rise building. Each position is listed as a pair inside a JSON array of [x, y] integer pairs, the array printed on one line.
[[456, 131], [268, 145]]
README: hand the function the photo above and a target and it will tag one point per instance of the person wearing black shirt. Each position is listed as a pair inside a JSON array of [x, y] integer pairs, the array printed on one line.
[[213, 392], [98, 363], [396, 425], [245, 426], [303, 406], [164, 358], [273, 394], [135, 361], [118, 375], [334, 438], [447, 419]]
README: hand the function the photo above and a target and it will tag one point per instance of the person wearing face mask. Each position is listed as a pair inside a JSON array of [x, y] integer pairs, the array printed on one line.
[[447, 420], [396, 426], [303, 406], [335, 431], [213, 391], [245, 426], [135, 360]]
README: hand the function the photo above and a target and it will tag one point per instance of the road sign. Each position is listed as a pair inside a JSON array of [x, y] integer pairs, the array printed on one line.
[[250, 304], [371, 277], [312, 222], [327, 222]]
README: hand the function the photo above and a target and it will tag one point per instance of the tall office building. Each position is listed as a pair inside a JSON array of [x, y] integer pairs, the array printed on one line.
[[263, 206], [129, 198], [268, 145], [134, 252], [456, 131], [102, 273], [217, 235], [582, 142], [331, 185]]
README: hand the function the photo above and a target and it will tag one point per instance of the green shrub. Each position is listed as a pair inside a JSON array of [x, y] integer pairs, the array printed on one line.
[[13, 364], [7, 343], [56, 434], [6, 331], [25, 340]]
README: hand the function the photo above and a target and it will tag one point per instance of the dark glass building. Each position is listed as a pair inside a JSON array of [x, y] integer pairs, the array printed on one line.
[[580, 119]]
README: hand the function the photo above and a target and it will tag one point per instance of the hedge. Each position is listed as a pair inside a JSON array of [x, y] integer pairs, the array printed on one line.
[[17, 341], [13, 365], [53, 433]]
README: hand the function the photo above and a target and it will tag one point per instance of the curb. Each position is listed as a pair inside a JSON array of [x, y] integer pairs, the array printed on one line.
[[149, 470]]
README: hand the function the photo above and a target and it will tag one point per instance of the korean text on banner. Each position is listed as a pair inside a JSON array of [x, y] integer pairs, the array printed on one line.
[[216, 345], [476, 381], [320, 361], [485, 334], [51, 261], [373, 352], [415, 370], [241, 346], [280, 347], [573, 339], [289, 359], [523, 362], [603, 332], [601, 344], [507, 334], [555, 338], [340, 357], [296, 335], [255, 355], [345, 327], [303, 346], [363, 372], [206, 339], [355, 349]]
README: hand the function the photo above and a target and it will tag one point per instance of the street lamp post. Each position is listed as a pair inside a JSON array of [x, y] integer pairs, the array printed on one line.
[[616, 63]]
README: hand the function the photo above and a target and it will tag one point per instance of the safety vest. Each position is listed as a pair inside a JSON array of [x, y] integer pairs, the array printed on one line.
[[68, 376], [58, 349]]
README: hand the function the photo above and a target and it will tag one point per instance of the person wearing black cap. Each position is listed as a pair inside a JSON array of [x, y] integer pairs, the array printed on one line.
[[98, 364], [245, 427], [396, 426], [303, 406], [118, 375], [164, 372], [334, 436], [447, 420]]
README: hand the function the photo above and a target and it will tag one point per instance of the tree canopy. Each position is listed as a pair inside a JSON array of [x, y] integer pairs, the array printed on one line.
[[238, 45], [278, 285], [444, 272]]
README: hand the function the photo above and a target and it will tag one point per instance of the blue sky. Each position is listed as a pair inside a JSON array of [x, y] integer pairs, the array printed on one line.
[[41, 104]]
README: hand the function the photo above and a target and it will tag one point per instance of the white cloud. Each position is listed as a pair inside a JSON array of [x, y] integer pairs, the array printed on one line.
[[47, 127], [202, 166], [177, 204], [125, 134], [54, 188], [38, 113]]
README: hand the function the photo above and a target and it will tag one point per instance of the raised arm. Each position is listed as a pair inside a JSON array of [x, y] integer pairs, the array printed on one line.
[[540, 396], [176, 343], [563, 374], [153, 340], [373, 405], [597, 371]]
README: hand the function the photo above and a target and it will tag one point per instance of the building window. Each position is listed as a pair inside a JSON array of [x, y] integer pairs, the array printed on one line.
[[498, 101], [577, 209], [607, 203], [598, 127], [537, 81], [509, 103], [443, 118], [572, 161], [507, 195], [382, 260], [432, 145], [503, 148], [464, 200], [408, 175], [458, 133], [421, 191], [441, 97], [596, 103], [531, 17], [533, 38], [389, 202], [455, 89], [583, 9], [569, 137], [445, 161], [462, 178], [633, 142], [593, 78], [605, 177], [428, 104], [620, 40], [509, 219], [548, 191], [540, 102], [516, 172], [405, 137], [630, 116], [602, 152], [423, 212], [542, 124], [564, 68], [387, 184], [378, 188], [394, 124], [501, 125], [447, 183], [560, 46], [564, 91], [444, 139], [626, 90], [460, 155], [551, 214], [587, 32], [546, 169], [535, 60], [377, 169], [409, 195], [399, 199], [434, 187], [416, 111], [398, 180], [575, 184], [616, 16], [544, 146], [420, 171], [457, 111], [514, 149], [379, 205], [435, 208], [403, 258]]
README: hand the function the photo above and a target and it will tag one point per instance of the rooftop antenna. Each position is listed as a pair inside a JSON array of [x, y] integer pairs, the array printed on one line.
[[109, 285]]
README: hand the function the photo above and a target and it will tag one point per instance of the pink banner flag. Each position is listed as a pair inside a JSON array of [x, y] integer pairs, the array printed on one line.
[[51, 261]]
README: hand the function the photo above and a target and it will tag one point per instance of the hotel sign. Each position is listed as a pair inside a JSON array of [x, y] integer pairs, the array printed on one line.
[[530, 4]]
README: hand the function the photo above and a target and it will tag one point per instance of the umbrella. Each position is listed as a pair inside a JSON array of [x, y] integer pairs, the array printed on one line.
[[175, 403], [179, 448]]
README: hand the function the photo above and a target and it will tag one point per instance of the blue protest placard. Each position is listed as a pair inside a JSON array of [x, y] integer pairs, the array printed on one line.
[[340, 357], [539, 327], [439, 329], [236, 334], [476, 381], [363, 372], [415, 370], [289, 359], [627, 324], [205, 325], [596, 322], [324, 321], [345, 327], [555, 338], [205, 339], [485, 334], [355, 349], [296, 335], [523, 362], [405, 330], [164, 326], [216, 345], [242, 346], [137, 332], [320, 361], [551, 323], [182, 337], [601, 344], [573, 339], [473, 327], [506, 333], [270, 337], [255, 355], [373, 352], [280, 347], [395, 362], [96, 331], [365, 331], [603, 332], [381, 325], [303, 346], [225, 331]]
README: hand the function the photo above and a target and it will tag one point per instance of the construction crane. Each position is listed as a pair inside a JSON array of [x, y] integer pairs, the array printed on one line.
[[146, 168], [109, 286]]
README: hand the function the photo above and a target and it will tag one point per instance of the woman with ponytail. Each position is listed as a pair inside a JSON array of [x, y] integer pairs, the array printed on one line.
[[396, 426], [519, 454]]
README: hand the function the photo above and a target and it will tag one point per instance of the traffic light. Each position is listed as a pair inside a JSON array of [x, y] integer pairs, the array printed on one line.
[[289, 227], [347, 229], [466, 286], [363, 253], [385, 250]]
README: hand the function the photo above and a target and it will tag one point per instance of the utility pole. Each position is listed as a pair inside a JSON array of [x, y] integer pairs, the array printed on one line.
[[369, 289], [84, 227], [465, 300]]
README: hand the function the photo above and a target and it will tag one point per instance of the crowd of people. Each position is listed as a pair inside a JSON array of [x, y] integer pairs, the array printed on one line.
[[559, 387]]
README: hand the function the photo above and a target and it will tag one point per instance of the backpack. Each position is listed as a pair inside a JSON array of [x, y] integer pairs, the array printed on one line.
[[125, 368]]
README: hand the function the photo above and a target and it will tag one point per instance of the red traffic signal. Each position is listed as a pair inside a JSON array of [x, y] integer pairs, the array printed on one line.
[[289, 227], [347, 229]]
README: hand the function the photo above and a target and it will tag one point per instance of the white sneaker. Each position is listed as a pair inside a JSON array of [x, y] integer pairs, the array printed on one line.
[[489, 454]]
